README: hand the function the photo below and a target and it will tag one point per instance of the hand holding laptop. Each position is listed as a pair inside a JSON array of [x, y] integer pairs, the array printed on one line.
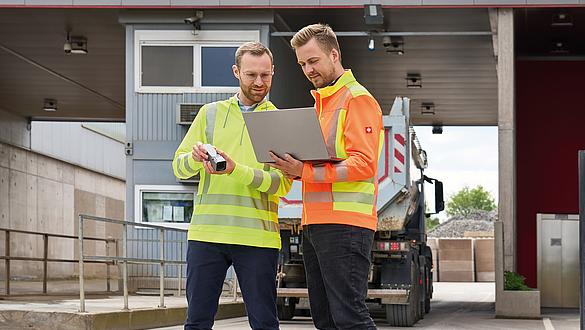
[[290, 167]]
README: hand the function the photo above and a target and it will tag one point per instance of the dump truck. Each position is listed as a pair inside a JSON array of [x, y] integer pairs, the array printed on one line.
[[400, 276]]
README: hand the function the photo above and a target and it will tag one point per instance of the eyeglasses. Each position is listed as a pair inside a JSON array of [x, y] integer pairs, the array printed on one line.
[[251, 76]]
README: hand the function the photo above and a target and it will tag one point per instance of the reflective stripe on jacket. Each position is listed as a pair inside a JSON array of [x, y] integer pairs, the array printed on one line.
[[345, 192], [239, 208]]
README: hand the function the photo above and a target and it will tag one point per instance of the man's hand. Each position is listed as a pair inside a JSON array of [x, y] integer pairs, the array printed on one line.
[[199, 154], [229, 168], [290, 167]]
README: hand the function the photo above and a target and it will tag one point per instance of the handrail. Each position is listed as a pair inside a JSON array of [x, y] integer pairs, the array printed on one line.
[[125, 259], [45, 259]]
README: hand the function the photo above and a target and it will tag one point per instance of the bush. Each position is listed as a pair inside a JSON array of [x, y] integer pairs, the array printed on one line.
[[515, 281]]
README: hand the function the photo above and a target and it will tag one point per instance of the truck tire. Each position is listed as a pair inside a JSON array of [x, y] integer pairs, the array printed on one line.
[[285, 312], [406, 315], [427, 305]]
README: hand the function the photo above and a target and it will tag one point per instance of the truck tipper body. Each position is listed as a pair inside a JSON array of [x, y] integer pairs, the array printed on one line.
[[400, 276]]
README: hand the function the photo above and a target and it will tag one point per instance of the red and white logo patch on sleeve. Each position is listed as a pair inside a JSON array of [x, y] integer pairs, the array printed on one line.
[[368, 130]]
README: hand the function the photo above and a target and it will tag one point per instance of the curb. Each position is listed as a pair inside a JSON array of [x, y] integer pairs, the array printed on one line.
[[130, 319]]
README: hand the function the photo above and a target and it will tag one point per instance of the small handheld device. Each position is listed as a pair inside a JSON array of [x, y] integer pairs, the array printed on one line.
[[217, 161]]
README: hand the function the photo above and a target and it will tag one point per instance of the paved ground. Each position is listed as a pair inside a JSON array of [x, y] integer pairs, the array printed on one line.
[[454, 306]]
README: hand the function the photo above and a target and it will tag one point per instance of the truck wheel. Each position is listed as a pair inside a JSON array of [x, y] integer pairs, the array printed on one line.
[[285, 312], [406, 315], [427, 305]]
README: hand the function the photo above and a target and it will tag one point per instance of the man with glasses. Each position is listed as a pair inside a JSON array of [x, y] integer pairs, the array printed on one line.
[[235, 218]]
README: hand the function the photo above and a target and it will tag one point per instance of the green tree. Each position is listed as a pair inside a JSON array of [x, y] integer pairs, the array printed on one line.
[[431, 221], [467, 201]]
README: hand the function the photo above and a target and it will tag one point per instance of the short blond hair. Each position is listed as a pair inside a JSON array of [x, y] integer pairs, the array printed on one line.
[[255, 48], [323, 34]]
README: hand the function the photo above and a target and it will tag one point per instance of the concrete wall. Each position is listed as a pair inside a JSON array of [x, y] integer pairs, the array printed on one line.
[[43, 194]]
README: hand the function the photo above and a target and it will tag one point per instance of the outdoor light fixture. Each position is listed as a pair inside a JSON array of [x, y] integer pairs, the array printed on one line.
[[559, 47], [427, 109], [413, 81], [373, 14], [562, 19], [395, 46], [75, 45], [50, 105], [437, 129], [371, 43]]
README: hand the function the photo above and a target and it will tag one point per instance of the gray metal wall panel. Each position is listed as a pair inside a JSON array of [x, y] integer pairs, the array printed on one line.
[[190, 2], [146, 2], [401, 2], [49, 2], [294, 2], [447, 2], [12, 2], [97, 3], [552, 2], [248, 3], [499, 2], [153, 172]]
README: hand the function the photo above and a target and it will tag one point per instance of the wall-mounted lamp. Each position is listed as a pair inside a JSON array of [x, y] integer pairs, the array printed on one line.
[[50, 105], [75, 45], [371, 43], [373, 14], [427, 109], [394, 45], [437, 129], [413, 81], [559, 47], [562, 19]]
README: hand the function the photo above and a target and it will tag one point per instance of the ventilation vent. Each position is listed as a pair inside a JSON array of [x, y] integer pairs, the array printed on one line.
[[186, 112]]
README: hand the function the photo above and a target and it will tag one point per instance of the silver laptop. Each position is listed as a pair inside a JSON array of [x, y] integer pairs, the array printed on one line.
[[294, 131]]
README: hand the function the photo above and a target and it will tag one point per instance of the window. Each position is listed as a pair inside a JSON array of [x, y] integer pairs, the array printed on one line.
[[165, 205], [180, 62]]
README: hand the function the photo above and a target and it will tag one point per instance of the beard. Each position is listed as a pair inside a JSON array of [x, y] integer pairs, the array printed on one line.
[[251, 94], [323, 78]]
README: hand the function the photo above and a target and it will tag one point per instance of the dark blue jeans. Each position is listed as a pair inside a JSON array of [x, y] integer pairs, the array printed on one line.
[[337, 264], [255, 267]]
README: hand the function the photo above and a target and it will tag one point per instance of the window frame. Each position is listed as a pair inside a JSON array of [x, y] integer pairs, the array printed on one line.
[[204, 38], [138, 194]]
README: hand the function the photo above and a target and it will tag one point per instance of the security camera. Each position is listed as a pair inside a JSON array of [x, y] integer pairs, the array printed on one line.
[[192, 20], [67, 47], [386, 41]]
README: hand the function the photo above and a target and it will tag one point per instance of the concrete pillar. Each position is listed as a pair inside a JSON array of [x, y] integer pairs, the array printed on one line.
[[505, 245]]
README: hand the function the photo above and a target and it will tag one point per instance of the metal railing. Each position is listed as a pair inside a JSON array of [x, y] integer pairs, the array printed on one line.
[[45, 259], [124, 260]]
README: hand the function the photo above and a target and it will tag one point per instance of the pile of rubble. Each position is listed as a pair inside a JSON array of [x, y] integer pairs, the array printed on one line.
[[457, 225]]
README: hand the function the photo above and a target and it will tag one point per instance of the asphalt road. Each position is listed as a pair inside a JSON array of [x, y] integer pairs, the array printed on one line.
[[454, 306]]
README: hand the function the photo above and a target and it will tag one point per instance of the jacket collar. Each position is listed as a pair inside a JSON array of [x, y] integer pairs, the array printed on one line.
[[345, 79]]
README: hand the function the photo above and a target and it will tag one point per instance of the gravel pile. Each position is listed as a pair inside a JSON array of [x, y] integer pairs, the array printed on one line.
[[457, 225]]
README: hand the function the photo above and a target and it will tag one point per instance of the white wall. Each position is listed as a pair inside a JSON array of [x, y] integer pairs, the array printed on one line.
[[71, 142]]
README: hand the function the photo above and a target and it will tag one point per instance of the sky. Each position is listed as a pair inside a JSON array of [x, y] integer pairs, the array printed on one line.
[[460, 156]]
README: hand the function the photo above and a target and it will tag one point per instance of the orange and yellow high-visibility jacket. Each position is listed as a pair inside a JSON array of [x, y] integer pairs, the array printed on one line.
[[345, 192]]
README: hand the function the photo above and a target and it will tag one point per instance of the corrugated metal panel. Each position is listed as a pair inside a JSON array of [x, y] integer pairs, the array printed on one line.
[[155, 116], [145, 243]]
